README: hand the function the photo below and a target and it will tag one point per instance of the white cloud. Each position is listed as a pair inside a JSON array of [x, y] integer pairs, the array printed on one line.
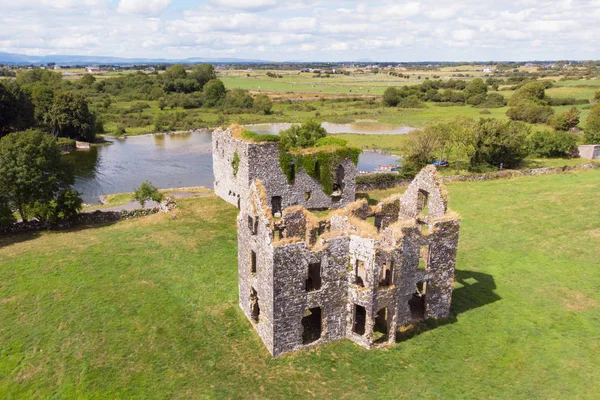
[[143, 7], [278, 30]]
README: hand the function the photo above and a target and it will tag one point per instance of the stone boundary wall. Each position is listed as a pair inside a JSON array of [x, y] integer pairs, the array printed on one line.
[[505, 174], [89, 218]]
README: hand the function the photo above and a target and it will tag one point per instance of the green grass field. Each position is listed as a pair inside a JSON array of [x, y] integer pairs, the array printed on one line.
[[147, 308]]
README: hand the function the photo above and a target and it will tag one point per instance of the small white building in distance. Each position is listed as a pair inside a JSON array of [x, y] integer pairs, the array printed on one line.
[[590, 151]]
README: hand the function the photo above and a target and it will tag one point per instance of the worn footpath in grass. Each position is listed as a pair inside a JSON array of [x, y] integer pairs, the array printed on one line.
[[147, 308]]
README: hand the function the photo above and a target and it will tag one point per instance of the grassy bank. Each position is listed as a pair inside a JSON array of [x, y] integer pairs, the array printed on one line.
[[148, 309]]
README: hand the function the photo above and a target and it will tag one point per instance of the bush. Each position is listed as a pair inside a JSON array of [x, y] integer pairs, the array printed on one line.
[[529, 111], [381, 180], [485, 111], [65, 207], [331, 141], [552, 143], [565, 120], [262, 104], [411, 102], [305, 135], [391, 97], [592, 128], [6, 215], [147, 192], [258, 138], [497, 142], [235, 163], [494, 100]]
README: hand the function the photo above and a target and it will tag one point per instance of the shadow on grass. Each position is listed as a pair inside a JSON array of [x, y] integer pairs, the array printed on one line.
[[476, 290], [19, 237], [370, 201]]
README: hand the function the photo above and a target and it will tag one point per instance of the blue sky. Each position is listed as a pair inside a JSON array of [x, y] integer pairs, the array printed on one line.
[[305, 30]]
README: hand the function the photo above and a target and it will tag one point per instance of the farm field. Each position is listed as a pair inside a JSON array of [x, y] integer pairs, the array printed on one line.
[[147, 308]]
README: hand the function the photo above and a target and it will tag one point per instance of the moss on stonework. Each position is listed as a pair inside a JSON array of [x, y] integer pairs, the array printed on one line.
[[235, 163], [318, 162]]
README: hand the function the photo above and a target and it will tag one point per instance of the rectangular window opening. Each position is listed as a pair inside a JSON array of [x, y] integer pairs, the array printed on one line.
[[360, 273], [276, 205], [252, 261], [253, 224], [360, 320], [417, 302], [254, 308], [380, 332], [312, 325], [307, 195], [423, 202], [387, 273], [313, 282]]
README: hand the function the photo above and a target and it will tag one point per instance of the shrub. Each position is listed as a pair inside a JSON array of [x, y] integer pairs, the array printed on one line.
[[305, 135], [6, 215], [411, 102], [494, 100], [592, 128], [147, 192], [263, 104], [331, 141], [552, 143], [64, 207], [258, 138], [485, 111], [565, 120], [382, 180], [497, 142], [391, 97], [235, 163], [529, 111]]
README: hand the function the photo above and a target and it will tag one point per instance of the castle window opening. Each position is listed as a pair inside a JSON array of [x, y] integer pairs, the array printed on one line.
[[312, 325], [417, 301], [313, 282], [381, 325], [360, 273], [253, 224], [253, 261], [386, 273], [424, 257], [360, 320], [276, 205], [423, 202], [254, 307]]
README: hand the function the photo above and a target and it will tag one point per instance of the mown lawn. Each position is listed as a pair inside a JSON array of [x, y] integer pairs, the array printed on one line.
[[148, 309]]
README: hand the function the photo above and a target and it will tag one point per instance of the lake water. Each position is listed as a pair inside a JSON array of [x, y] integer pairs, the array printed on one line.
[[366, 128], [168, 161]]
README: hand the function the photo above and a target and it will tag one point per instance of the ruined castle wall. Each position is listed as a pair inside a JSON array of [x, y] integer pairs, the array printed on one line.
[[442, 260], [426, 181], [261, 280], [231, 187], [292, 300], [364, 251], [264, 165]]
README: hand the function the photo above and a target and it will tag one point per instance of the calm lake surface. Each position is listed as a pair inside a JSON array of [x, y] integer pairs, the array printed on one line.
[[168, 161]]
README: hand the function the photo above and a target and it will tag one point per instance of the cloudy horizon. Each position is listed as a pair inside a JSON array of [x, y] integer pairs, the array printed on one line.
[[305, 30]]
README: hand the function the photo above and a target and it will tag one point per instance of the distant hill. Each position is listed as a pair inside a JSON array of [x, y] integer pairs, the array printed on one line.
[[12, 58]]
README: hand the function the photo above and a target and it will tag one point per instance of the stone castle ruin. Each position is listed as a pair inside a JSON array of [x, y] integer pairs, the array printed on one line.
[[238, 162], [359, 273]]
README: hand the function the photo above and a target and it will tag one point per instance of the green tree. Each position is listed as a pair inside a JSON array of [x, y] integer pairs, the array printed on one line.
[[69, 116], [499, 142], [203, 73], [532, 91], [146, 192], [476, 87], [263, 104], [592, 126], [565, 120], [87, 79], [32, 170], [36, 75], [301, 136], [174, 72], [42, 96], [552, 143], [16, 108], [391, 97], [214, 91], [6, 214], [238, 98]]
